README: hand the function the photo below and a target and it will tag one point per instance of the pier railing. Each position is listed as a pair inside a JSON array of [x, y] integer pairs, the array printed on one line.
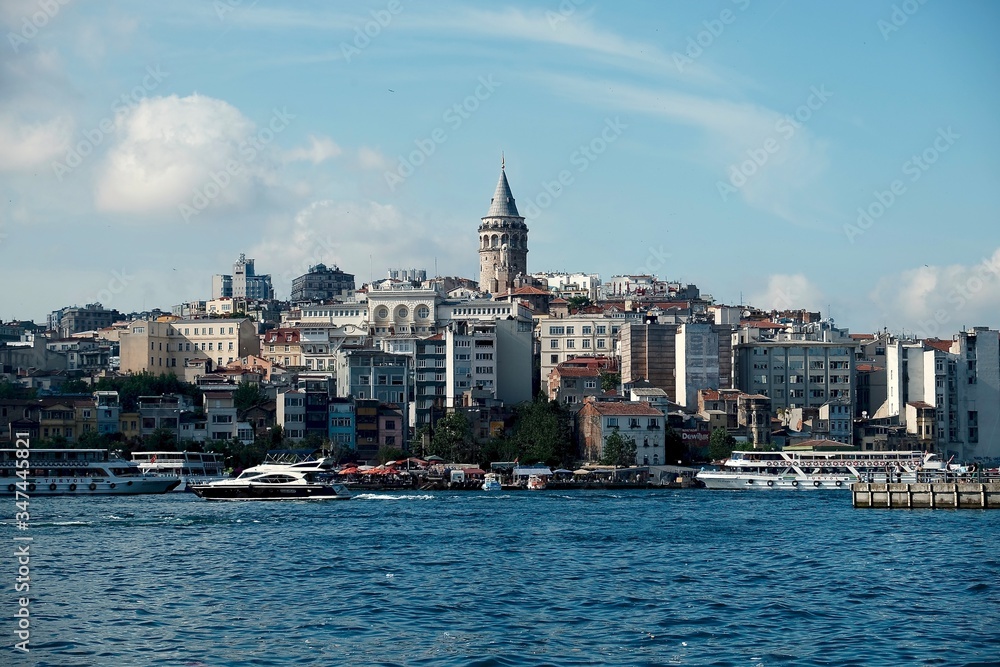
[[939, 494]]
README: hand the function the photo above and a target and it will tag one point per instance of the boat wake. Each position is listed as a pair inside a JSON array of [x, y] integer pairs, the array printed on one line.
[[380, 496]]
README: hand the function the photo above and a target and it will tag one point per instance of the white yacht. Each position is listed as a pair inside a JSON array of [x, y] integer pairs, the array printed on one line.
[[190, 467], [820, 470], [304, 480], [76, 472]]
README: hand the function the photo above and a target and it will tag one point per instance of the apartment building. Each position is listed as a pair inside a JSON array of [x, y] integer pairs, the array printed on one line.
[[165, 346]]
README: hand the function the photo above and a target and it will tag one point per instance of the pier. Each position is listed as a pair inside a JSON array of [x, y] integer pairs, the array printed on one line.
[[950, 495]]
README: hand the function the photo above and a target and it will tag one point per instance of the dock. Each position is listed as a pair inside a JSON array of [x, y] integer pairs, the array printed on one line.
[[934, 495]]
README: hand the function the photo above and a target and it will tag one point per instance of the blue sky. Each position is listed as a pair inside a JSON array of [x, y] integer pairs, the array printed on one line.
[[730, 144]]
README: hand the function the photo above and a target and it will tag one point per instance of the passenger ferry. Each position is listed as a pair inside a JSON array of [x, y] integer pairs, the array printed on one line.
[[191, 467], [80, 472], [817, 469]]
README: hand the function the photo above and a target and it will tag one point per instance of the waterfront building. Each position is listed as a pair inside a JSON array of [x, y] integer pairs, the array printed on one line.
[[342, 425], [796, 366], [637, 420]]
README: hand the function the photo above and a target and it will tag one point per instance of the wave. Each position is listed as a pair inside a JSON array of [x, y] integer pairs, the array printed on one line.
[[380, 496]]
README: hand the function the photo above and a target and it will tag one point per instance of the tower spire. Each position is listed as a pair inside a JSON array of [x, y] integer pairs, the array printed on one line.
[[501, 161]]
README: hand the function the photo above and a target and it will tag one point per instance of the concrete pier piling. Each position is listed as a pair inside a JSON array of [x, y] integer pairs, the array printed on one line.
[[948, 495]]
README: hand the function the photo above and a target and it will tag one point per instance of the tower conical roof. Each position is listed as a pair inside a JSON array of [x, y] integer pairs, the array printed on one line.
[[502, 203]]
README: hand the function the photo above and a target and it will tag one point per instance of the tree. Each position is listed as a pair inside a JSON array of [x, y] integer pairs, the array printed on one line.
[[248, 395], [721, 444], [452, 435], [386, 454], [674, 447], [619, 450], [162, 440], [610, 381], [578, 302], [543, 433], [75, 386]]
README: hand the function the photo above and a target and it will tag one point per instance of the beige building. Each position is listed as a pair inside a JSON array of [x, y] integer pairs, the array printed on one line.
[[165, 346]]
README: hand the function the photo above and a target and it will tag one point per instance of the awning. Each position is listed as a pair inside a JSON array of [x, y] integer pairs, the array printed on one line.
[[527, 472]]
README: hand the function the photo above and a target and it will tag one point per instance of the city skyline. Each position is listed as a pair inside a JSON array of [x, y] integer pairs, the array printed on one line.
[[774, 154]]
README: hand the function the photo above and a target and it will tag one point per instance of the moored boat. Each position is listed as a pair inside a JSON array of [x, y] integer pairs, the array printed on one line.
[[190, 467], [536, 483], [77, 472], [815, 470]]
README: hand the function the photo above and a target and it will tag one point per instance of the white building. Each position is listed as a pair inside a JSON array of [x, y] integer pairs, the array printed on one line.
[[291, 413], [575, 336]]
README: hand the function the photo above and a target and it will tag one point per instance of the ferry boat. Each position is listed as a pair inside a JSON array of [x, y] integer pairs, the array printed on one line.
[[820, 470], [491, 482], [303, 480], [78, 472], [191, 467]]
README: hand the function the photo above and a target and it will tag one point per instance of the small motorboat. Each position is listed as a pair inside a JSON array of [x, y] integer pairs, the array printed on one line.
[[536, 483], [491, 482]]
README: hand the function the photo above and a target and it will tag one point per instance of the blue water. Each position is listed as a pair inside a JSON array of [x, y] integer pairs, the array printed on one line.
[[685, 577]]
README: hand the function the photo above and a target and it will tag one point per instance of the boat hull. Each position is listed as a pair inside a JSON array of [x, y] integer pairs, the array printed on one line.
[[747, 482], [83, 486], [267, 492]]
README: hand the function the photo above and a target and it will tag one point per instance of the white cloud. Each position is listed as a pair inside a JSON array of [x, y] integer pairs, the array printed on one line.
[[363, 238], [34, 126], [941, 300], [373, 159], [319, 150], [25, 145], [172, 152], [786, 292]]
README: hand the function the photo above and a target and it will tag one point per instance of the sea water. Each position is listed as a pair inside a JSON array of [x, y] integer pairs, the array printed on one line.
[[671, 577]]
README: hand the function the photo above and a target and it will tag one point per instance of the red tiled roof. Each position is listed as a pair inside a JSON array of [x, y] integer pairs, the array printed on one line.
[[558, 300], [576, 371], [942, 345], [857, 336], [868, 368], [637, 409], [710, 394]]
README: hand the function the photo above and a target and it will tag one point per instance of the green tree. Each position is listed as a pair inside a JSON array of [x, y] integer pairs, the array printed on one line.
[[543, 433], [452, 435], [386, 454], [75, 386], [721, 444], [610, 381], [162, 440], [248, 395], [674, 447], [578, 302], [619, 450]]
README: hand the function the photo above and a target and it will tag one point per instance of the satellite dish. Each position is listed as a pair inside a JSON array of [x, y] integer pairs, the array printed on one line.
[[746, 313]]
